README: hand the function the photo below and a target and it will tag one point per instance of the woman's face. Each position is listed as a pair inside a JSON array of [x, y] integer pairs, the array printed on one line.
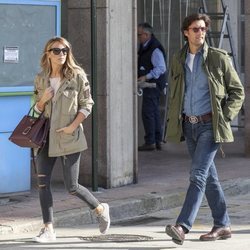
[[58, 54]]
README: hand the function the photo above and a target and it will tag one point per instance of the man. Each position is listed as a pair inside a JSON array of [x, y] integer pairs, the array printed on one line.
[[152, 69], [205, 94]]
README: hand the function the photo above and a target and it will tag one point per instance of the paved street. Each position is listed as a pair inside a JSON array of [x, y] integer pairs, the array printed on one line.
[[137, 211], [148, 230]]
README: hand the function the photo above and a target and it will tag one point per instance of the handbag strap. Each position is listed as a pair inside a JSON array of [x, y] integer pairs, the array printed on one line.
[[33, 111], [33, 160], [33, 157]]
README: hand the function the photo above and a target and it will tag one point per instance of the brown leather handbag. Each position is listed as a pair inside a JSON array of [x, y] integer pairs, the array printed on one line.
[[32, 131]]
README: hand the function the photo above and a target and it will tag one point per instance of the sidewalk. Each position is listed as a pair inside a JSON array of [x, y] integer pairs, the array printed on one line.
[[162, 182]]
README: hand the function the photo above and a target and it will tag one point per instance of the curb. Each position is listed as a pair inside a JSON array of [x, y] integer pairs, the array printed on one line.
[[122, 210]]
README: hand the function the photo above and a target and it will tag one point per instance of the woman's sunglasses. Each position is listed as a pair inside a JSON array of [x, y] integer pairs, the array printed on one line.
[[57, 51]]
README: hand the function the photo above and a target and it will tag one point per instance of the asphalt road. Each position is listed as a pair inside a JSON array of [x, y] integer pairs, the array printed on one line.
[[145, 233]]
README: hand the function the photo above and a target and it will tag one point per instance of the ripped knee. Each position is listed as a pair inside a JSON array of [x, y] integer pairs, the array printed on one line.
[[41, 182], [72, 190]]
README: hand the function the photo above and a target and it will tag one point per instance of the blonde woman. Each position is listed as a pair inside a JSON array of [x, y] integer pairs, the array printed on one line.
[[62, 91]]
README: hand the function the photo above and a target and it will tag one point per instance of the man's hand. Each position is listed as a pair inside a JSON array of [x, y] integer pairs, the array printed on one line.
[[142, 79]]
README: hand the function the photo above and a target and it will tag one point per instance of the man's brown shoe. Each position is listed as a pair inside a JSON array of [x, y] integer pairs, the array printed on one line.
[[217, 233], [176, 233]]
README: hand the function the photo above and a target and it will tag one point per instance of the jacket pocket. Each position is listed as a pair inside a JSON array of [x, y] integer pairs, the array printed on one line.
[[69, 102], [217, 78], [224, 129], [73, 143], [175, 79], [69, 141]]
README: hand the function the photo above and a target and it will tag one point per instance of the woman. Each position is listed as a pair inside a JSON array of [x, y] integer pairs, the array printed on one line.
[[62, 92]]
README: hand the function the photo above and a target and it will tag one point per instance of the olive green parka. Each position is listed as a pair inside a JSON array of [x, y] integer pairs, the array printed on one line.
[[226, 91]]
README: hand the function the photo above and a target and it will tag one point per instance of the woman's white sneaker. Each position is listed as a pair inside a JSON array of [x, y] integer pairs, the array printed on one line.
[[104, 219], [45, 235]]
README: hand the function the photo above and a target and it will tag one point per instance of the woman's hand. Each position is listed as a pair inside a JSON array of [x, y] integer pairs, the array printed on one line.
[[47, 95], [73, 126], [67, 130]]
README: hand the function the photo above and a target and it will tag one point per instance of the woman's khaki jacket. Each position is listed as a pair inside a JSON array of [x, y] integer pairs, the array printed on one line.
[[226, 92], [72, 95]]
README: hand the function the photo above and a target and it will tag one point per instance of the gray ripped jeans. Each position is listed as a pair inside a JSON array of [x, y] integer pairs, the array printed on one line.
[[70, 167]]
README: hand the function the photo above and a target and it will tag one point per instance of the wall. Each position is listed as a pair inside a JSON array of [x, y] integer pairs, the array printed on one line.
[[120, 92], [116, 86], [247, 78]]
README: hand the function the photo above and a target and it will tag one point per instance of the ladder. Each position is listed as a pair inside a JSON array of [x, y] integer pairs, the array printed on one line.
[[224, 32]]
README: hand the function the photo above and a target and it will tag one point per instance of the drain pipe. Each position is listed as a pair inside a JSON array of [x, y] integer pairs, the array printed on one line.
[[94, 94]]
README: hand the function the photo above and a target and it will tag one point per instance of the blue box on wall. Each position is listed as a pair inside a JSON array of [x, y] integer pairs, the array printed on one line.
[[28, 26]]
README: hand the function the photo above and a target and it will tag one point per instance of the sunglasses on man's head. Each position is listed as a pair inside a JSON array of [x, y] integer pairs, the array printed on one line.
[[196, 30], [57, 51]]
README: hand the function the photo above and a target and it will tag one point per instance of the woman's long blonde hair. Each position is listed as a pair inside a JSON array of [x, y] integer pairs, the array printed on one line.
[[70, 68]]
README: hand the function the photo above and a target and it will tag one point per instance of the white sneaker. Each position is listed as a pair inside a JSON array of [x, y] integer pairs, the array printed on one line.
[[104, 219], [45, 235]]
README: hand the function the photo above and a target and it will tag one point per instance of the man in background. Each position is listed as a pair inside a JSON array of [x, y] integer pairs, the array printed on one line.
[[151, 69]]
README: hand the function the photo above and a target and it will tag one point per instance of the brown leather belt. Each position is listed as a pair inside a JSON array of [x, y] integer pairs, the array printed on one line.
[[200, 118]]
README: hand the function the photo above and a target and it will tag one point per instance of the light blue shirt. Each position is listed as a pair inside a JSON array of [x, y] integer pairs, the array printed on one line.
[[197, 96], [158, 61]]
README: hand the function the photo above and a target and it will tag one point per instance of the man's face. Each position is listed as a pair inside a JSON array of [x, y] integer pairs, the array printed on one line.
[[196, 33], [142, 35]]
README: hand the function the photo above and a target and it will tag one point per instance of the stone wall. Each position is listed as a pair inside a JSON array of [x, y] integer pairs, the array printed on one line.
[[247, 78], [116, 74]]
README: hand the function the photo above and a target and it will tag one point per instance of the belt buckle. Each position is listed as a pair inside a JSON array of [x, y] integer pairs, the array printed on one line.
[[193, 119]]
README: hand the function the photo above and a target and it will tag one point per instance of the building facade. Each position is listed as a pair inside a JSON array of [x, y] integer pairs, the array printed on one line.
[[119, 126]]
